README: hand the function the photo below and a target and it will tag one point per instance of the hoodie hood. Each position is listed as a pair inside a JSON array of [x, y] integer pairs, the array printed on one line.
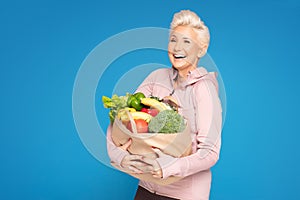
[[196, 75]]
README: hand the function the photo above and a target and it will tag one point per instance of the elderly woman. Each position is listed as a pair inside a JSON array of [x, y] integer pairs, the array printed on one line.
[[196, 91]]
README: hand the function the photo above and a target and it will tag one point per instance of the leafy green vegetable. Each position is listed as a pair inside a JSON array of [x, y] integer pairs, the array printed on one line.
[[115, 103], [167, 121]]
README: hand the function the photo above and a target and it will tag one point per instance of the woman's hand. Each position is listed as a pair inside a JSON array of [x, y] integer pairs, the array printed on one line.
[[154, 168], [133, 163], [161, 161]]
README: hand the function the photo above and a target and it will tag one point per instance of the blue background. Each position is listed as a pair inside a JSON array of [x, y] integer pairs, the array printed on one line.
[[43, 43]]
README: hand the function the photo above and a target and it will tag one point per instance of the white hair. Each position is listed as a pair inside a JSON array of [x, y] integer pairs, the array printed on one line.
[[191, 19]]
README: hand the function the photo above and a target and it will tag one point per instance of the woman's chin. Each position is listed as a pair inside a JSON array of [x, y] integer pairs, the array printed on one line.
[[179, 66]]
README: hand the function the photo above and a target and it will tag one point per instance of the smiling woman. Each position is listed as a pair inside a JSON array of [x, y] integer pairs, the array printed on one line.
[[196, 92], [189, 41]]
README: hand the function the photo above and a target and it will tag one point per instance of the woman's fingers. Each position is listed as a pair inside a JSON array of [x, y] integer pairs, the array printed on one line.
[[157, 174], [134, 164], [154, 168], [126, 145], [151, 162], [135, 170], [139, 164], [146, 168], [130, 159], [135, 157]]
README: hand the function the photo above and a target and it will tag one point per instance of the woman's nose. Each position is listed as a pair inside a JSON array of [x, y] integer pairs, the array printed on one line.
[[178, 46]]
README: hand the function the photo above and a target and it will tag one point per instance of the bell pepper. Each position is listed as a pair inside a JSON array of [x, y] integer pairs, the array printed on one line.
[[134, 101]]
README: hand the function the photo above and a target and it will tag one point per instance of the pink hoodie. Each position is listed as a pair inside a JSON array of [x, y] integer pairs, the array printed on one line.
[[200, 105]]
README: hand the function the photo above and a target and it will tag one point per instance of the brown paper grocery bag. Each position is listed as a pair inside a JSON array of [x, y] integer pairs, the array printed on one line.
[[174, 144]]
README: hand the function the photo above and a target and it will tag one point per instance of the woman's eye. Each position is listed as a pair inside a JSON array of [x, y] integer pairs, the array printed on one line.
[[187, 41], [172, 40]]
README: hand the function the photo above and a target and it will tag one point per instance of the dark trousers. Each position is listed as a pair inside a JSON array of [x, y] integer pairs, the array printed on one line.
[[143, 194]]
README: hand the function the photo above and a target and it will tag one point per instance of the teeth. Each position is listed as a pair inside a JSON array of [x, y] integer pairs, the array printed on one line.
[[179, 56]]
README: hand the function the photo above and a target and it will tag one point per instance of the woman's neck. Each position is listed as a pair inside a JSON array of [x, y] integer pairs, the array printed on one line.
[[183, 74], [181, 79]]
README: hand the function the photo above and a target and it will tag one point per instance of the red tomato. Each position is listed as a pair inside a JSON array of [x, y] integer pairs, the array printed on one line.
[[151, 111], [145, 110], [141, 126]]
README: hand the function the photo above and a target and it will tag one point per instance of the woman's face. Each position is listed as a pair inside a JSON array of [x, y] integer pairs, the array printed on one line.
[[183, 49]]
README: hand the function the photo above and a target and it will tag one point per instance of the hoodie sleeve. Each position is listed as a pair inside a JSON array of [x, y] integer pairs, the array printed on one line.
[[209, 124], [115, 153]]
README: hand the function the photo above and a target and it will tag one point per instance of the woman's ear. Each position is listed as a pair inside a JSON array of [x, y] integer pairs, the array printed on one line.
[[202, 51]]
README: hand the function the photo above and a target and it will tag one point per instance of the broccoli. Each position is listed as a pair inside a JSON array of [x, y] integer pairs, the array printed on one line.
[[167, 121]]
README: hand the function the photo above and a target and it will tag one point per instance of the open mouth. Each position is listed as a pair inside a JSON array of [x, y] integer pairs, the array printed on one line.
[[179, 56]]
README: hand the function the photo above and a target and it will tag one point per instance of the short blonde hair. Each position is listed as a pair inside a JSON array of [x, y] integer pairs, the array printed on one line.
[[191, 19]]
